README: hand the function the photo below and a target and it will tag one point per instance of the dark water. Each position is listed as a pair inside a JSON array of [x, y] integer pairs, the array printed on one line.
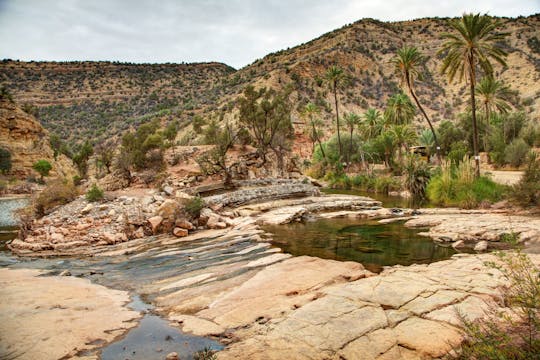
[[388, 201], [370, 243], [154, 338]]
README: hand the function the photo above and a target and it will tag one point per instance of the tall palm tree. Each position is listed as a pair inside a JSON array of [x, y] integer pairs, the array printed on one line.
[[494, 95], [472, 43], [406, 65], [311, 113], [399, 109], [372, 123], [335, 77], [352, 120], [403, 135]]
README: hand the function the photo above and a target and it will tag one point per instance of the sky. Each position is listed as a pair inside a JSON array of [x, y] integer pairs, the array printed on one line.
[[235, 32]]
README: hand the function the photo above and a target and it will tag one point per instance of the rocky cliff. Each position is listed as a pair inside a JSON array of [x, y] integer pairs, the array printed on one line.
[[27, 141]]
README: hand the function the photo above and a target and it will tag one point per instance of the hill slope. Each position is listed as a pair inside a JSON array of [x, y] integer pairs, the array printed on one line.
[[97, 100]]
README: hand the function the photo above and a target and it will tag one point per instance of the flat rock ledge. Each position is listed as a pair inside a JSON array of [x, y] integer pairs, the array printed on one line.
[[261, 194], [465, 227], [58, 317], [403, 313]]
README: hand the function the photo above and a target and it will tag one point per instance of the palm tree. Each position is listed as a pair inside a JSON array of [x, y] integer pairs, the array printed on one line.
[[399, 109], [406, 64], [372, 122], [404, 136], [352, 120], [311, 113], [335, 77], [473, 43], [494, 95]]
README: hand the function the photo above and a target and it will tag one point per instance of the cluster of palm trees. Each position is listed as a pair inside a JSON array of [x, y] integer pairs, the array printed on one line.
[[468, 50]]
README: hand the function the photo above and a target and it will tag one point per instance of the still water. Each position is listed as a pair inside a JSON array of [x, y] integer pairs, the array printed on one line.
[[368, 242]]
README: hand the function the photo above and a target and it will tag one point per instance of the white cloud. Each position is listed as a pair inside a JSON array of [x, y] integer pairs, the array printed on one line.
[[235, 32]]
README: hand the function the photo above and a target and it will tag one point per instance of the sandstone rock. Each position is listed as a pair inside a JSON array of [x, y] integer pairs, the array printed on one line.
[[184, 224], [65, 273], [458, 244], [180, 232], [169, 190], [147, 200], [428, 338], [87, 209], [155, 222], [56, 238], [109, 238], [172, 356], [481, 246], [139, 233], [168, 209]]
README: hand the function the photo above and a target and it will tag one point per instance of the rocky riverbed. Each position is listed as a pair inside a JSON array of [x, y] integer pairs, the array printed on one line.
[[232, 285]]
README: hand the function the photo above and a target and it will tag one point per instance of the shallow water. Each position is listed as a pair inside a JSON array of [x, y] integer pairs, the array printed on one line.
[[373, 244], [154, 338], [8, 207]]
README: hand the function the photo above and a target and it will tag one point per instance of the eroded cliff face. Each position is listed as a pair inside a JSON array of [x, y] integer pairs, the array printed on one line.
[[27, 141]]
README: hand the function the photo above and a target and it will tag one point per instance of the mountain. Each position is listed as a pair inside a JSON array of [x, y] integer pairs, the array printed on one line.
[[97, 100]]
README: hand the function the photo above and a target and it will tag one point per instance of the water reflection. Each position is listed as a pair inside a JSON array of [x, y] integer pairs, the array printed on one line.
[[368, 242]]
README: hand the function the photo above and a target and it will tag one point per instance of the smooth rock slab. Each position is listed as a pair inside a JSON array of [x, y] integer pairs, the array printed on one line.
[[426, 337], [55, 317]]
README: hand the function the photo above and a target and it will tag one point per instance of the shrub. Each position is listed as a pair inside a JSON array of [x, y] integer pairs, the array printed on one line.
[[94, 194], [58, 192], [205, 354], [515, 335], [5, 161], [417, 174], [457, 186], [43, 167], [77, 180], [194, 206], [516, 152], [527, 191]]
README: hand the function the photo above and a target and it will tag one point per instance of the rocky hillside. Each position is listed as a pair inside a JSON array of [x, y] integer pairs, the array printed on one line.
[[24, 137], [80, 100], [364, 50], [96, 100]]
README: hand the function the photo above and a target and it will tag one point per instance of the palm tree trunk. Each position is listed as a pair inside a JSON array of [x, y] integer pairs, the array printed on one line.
[[337, 122], [318, 140], [350, 146], [473, 109], [488, 129], [437, 147]]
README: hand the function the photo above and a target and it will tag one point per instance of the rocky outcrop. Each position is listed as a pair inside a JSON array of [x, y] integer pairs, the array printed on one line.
[[261, 194], [52, 317], [24, 137], [471, 228], [405, 312]]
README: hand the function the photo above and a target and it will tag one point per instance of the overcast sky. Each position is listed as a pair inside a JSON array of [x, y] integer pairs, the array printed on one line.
[[236, 32]]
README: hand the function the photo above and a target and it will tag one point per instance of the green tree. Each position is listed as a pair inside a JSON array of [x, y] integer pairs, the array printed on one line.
[[215, 161], [399, 110], [472, 44], [43, 167], [170, 133], [403, 136], [493, 95], [81, 158], [5, 161], [372, 123], [352, 120], [406, 65], [311, 115], [266, 114], [56, 143], [335, 78]]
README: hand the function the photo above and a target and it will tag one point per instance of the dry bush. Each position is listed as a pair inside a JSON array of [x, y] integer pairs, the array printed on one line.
[[57, 192]]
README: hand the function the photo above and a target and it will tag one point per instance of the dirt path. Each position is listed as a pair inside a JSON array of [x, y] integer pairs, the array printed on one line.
[[505, 177]]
